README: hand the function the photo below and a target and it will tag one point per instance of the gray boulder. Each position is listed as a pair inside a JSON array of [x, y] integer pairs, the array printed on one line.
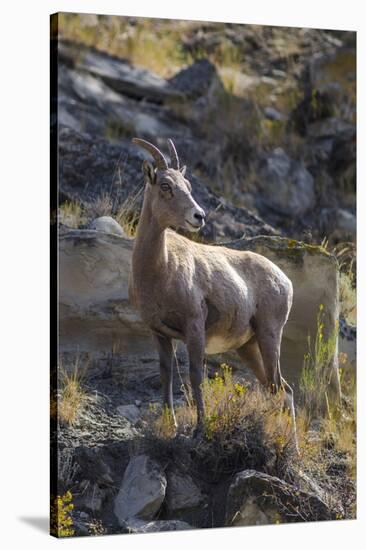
[[142, 490], [199, 79], [108, 225], [255, 498], [118, 74], [182, 492], [339, 223], [86, 103], [130, 412], [286, 186], [95, 313]]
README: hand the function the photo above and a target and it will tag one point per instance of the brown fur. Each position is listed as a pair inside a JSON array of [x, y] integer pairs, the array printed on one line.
[[212, 298]]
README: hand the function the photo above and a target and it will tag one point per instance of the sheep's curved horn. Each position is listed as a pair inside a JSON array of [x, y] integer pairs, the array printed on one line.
[[173, 155], [157, 155]]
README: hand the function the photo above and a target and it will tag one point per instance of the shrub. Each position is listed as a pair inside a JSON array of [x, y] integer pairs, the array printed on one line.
[[317, 370], [61, 524], [245, 427], [225, 401]]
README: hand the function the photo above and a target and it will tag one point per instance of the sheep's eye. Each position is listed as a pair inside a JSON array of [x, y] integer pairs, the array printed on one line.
[[165, 187]]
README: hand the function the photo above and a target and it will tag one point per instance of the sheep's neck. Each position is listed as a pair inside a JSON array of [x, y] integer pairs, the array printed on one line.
[[149, 252]]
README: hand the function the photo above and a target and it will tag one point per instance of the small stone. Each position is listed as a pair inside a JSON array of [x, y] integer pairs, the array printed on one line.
[[273, 114], [130, 412]]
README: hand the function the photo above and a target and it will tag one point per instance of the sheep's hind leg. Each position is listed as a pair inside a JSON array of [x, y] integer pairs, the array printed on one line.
[[290, 405], [165, 350], [269, 341]]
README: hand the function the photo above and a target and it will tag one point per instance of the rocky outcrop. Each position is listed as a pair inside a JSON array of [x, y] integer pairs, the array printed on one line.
[[142, 491], [255, 498], [92, 168], [219, 134], [118, 74], [94, 310]]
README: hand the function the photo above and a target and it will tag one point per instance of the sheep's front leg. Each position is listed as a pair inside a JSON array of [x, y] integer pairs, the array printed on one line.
[[165, 350], [196, 348]]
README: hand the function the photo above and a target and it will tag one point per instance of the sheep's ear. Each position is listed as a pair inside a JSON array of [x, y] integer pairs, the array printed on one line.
[[149, 172], [183, 170]]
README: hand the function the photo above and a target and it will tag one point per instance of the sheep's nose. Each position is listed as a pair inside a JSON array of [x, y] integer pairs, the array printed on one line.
[[200, 216]]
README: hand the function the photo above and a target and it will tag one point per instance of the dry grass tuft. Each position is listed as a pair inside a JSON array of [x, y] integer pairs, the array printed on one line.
[[71, 396], [128, 213], [147, 43], [102, 206], [71, 214]]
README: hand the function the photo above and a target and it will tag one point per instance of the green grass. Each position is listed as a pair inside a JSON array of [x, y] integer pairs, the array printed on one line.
[[317, 370]]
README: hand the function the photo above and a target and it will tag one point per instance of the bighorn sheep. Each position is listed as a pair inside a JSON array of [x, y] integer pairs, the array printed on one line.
[[212, 298]]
